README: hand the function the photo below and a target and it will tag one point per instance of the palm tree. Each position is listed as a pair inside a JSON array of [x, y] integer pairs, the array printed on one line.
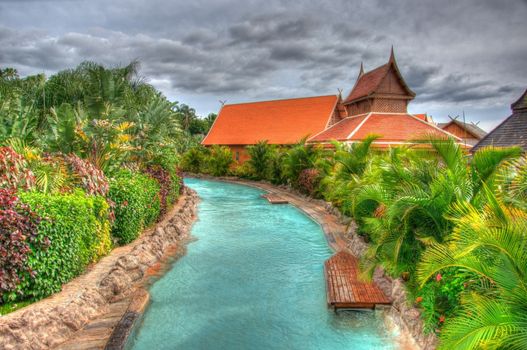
[[404, 204], [491, 244], [260, 156], [300, 157], [343, 169]]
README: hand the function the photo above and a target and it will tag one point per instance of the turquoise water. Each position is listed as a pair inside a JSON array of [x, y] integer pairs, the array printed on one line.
[[253, 280]]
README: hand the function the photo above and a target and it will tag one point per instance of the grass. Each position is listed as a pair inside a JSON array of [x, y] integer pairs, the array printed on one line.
[[10, 307]]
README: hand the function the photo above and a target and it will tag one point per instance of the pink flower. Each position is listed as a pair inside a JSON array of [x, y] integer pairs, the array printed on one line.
[[439, 277], [441, 318], [418, 299]]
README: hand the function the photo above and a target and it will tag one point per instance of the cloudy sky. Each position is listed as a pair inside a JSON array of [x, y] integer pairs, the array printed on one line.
[[462, 55]]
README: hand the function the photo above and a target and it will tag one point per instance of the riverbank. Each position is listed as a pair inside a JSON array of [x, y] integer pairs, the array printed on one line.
[[111, 287], [341, 234]]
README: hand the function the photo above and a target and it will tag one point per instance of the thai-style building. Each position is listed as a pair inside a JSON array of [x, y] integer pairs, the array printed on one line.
[[512, 131], [377, 104], [280, 122], [469, 133]]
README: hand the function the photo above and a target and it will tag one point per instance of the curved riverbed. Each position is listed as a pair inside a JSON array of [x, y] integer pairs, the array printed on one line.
[[253, 280]]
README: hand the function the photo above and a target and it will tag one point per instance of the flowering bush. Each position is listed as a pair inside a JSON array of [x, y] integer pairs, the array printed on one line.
[[18, 231], [168, 183], [440, 297], [308, 180], [91, 179], [14, 172]]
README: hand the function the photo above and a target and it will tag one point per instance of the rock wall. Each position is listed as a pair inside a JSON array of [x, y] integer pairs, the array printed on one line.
[[51, 321], [402, 313]]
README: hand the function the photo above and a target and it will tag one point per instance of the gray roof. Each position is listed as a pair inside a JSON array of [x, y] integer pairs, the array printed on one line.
[[471, 128], [521, 103], [512, 131]]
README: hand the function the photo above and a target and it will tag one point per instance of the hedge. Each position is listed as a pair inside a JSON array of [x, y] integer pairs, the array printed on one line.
[[137, 204], [78, 231]]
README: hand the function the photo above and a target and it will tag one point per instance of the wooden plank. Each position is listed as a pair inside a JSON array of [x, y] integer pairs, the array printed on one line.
[[344, 287], [274, 198]]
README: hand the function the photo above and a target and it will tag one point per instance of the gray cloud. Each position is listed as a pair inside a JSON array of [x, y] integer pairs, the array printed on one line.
[[455, 55]]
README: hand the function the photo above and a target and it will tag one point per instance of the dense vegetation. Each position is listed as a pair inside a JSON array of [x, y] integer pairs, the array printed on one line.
[[451, 225], [88, 159]]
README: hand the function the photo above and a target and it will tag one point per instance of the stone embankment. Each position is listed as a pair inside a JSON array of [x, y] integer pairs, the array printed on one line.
[[402, 313], [111, 287]]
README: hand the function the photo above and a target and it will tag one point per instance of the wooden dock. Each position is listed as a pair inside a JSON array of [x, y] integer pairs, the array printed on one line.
[[344, 288], [274, 198]]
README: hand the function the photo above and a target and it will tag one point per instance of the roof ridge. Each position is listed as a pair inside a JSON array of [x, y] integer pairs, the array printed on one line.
[[379, 69], [359, 126], [434, 126], [279, 99], [374, 69]]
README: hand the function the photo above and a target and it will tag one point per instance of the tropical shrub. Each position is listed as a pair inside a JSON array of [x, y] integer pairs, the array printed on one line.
[[137, 204], [76, 231], [300, 157], [14, 171], [18, 231], [245, 171], [259, 160], [439, 298], [194, 160], [404, 206], [87, 176], [276, 168], [168, 183], [219, 160], [51, 174], [308, 181], [489, 243]]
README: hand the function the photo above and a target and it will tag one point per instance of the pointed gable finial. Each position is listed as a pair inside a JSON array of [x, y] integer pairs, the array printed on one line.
[[392, 56], [361, 70]]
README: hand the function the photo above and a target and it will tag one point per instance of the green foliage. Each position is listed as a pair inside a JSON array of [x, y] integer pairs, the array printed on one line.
[[18, 228], [342, 169], [300, 157], [260, 155], [71, 132], [489, 243], [191, 122], [108, 116], [276, 168], [440, 297], [245, 171], [194, 160], [168, 183], [137, 204], [78, 231], [219, 161]]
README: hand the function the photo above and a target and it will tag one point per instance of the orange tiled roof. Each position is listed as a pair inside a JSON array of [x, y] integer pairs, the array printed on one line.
[[340, 131], [393, 129], [278, 121], [368, 83], [421, 116]]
